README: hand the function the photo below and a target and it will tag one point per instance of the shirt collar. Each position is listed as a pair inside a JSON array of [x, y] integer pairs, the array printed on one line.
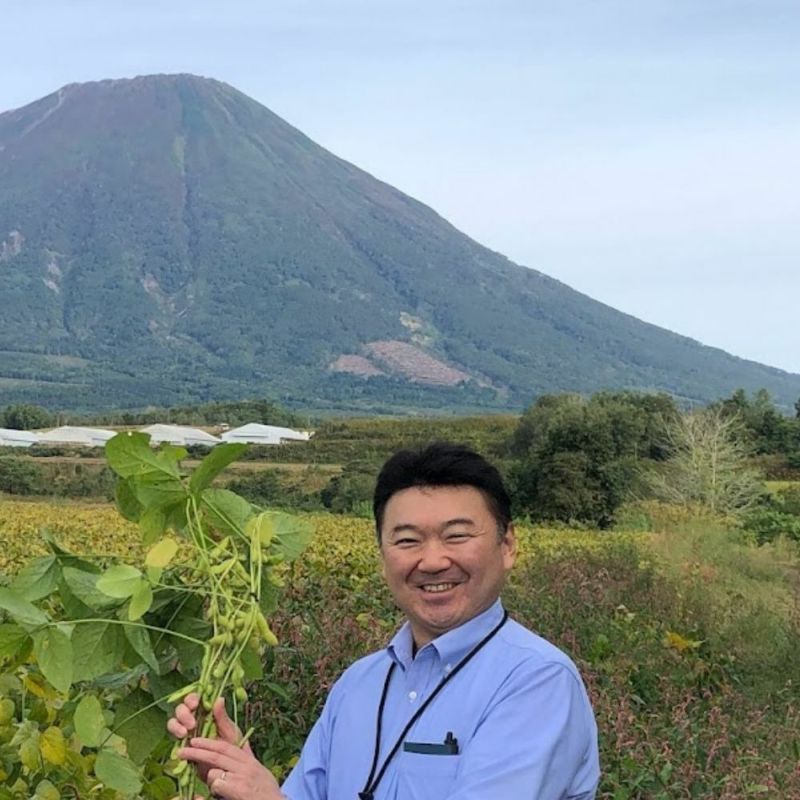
[[452, 646]]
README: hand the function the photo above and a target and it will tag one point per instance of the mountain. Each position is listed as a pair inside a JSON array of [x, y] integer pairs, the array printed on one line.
[[167, 239]]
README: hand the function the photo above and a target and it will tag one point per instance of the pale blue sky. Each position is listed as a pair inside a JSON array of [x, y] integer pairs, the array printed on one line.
[[644, 152]]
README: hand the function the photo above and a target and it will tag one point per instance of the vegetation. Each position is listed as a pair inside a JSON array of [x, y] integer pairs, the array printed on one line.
[[686, 636], [153, 632]]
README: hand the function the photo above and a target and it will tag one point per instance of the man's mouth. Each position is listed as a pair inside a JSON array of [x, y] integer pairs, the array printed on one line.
[[435, 588]]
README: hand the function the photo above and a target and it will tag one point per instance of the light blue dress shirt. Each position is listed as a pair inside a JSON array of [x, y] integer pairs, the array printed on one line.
[[519, 711]]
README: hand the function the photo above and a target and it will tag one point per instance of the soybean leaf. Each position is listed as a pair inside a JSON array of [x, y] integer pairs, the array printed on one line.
[[129, 454], [52, 746], [141, 600], [139, 639], [213, 464], [83, 585], [89, 720], [53, 650], [98, 648], [144, 731], [120, 581], [21, 611], [12, 640], [292, 535], [119, 680], [165, 685], [189, 654], [270, 594], [155, 491], [117, 772], [228, 512], [127, 502], [161, 788], [251, 663], [37, 578], [161, 553], [152, 524]]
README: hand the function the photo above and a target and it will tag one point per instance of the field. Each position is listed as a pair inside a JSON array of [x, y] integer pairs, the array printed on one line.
[[689, 641]]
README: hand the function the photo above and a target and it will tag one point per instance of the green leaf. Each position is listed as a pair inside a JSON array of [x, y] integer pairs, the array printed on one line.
[[83, 585], [141, 600], [53, 650], [117, 772], [127, 502], [12, 640], [213, 464], [162, 788], [153, 491], [161, 553], [98, 648], [89, 720], [228, 512], [251, 663], [129, 454], [38, 578], [21, 611], [144, 731], [121, 581], [292, 535], [152, 525], [139, 639]]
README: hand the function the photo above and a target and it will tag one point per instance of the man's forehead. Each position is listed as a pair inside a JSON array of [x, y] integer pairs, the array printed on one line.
[[440, 502]]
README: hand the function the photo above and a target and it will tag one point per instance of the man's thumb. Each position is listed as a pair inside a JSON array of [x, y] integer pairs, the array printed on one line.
[[225, 727]]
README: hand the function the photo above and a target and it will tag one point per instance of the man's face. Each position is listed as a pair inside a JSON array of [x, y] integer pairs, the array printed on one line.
[[442, 558]]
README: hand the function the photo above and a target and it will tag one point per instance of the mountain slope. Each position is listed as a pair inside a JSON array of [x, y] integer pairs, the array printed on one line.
[[168, 239]]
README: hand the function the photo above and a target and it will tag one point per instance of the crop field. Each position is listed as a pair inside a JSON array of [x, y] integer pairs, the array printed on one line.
[[689, 644]]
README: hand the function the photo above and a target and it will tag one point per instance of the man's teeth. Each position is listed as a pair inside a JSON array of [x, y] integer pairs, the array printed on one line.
[[437, 587]]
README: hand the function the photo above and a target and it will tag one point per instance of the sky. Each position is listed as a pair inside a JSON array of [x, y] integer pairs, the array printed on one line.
[[644, 152]]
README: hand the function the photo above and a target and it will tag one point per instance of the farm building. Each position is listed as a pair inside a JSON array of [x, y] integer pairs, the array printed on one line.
[[180, 435], [77, 436], [255, 433], [12, 438]]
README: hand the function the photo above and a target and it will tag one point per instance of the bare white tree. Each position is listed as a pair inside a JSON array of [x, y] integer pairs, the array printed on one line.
[[708, 464]]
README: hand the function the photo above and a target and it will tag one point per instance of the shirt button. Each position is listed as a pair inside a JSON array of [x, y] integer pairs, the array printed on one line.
[[448, 668], [412, 695]]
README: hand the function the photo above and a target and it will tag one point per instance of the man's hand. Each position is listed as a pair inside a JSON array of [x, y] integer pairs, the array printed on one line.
[[231, 771]]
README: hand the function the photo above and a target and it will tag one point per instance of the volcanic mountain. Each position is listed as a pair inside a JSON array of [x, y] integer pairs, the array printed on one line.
[[167, 239]]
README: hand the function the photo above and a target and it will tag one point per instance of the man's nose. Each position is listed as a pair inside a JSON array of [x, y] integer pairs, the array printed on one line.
[[434, 556]]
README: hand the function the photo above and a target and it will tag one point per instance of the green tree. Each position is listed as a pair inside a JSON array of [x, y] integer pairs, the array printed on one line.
[[24, 417], [577, 459]]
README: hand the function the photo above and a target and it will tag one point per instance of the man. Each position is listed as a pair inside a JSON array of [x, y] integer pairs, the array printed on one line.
[[464, 703]]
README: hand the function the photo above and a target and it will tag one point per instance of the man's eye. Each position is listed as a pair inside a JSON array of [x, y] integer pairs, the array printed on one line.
[[457, 537], [405, 542]]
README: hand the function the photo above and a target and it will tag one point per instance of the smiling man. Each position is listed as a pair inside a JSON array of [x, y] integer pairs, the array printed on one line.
[[464, 703]]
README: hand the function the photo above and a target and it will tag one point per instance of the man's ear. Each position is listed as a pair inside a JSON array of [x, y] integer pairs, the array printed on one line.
[[510, 546]]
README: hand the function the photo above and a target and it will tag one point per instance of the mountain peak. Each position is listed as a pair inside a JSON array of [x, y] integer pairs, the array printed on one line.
[[166, 239]]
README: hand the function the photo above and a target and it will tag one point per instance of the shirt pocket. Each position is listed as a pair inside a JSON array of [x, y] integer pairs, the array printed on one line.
[[426, 777]]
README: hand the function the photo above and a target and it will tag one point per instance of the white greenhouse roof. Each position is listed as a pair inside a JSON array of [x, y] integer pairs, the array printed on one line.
[[179, 434], [71, 434], [256, 433], [12, 438]]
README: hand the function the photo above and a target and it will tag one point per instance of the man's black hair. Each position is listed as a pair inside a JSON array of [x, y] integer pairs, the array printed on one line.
[[442, 464]]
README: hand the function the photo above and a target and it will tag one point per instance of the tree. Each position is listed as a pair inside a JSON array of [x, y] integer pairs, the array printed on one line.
[[577, 458], [708, 463], [25, 417]]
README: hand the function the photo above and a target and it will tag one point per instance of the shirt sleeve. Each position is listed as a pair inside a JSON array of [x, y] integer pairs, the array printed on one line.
[[536, 741], [308, 780]]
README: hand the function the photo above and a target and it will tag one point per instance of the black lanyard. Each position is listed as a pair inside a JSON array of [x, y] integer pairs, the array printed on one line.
[[368, 792]]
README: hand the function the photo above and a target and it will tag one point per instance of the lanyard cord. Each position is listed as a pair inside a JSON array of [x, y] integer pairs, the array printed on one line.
[[368, 792]]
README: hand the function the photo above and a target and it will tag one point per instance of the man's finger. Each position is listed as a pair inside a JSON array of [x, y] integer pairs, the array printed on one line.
[[176, 729], [226, 728]]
